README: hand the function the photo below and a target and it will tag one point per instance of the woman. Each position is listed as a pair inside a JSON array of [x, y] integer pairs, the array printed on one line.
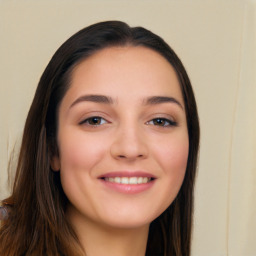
[[109, 151]]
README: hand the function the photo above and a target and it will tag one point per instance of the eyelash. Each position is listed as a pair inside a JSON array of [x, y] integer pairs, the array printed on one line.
[[162, 122], [94, 118]]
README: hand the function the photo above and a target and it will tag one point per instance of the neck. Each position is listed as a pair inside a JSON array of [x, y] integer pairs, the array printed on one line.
[[102, 240]]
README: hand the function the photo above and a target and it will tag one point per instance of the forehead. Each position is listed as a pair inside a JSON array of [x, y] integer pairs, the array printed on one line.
[[135, 71]]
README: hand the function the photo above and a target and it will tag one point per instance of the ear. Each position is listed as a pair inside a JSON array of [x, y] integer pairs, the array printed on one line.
[[55, 163]]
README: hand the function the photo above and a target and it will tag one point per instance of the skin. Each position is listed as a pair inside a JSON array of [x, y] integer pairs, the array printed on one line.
[[128, 136]]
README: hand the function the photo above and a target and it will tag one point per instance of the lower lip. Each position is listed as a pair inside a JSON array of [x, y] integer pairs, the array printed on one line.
[[128, 188]]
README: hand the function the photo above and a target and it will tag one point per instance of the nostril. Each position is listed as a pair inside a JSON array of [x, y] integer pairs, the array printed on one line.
[[123, 156], [125, 150]]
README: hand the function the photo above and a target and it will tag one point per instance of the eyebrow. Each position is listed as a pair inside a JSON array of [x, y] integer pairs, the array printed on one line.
[[162, 99], [93, 98], [154, 100]]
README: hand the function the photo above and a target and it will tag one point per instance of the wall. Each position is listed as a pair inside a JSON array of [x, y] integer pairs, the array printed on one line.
[[215, 40]]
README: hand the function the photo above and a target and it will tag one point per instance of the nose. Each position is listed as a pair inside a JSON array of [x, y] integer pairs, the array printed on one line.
[[129, 144]]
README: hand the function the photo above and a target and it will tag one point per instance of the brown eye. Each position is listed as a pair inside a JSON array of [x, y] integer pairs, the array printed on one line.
[[159, 121], [94, 121], [162, 122]]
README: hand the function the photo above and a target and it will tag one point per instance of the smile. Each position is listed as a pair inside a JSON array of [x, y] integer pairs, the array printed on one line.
[[128, 180]]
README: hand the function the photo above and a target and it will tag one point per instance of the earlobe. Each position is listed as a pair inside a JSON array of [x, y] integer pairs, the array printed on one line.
[[55, 163]]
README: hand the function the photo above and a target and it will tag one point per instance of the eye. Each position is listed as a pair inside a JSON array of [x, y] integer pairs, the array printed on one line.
[[162, 122], [94, 121]]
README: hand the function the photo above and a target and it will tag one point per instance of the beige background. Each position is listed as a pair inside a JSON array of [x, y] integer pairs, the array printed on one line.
[[216, 41]]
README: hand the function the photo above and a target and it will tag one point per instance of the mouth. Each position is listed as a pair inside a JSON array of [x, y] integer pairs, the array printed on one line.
[[128, 180]]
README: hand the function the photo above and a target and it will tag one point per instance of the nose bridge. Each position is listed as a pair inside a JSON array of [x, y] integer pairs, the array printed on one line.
[[129, 141]]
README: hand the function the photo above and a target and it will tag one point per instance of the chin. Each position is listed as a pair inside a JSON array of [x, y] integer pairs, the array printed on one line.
[[127, 223], [130, 219]]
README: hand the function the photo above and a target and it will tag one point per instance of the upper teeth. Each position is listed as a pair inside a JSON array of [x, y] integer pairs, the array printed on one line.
[[128, 180]]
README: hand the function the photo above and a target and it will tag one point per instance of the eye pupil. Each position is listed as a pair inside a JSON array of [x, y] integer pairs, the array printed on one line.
[[94, 120], [159, 121]]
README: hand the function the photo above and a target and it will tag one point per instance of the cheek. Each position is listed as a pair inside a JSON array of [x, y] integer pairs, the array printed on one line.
[[177, 156], [172, 157], [79, 151], [173, 153], [79, 154]]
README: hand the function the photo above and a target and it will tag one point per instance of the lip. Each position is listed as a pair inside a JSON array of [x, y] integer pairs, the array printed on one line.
[[127, 188], [127, 174]]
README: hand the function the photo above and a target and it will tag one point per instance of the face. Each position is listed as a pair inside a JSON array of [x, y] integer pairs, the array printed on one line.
[[122, 138]]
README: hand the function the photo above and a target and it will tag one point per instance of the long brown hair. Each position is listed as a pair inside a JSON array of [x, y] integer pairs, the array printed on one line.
[[36, 224]]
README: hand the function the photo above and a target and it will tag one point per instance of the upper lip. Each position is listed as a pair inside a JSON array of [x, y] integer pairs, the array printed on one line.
[[127, 174]]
